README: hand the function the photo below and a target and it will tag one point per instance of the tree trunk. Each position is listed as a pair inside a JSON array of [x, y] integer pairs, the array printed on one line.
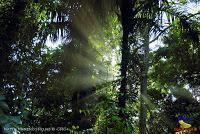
[[126, 20], [143, 91], [124, 63]]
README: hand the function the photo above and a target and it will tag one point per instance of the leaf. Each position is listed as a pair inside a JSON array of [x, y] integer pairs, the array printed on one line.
[[2, 98], [3, 119], [3, 106], [15, 119]]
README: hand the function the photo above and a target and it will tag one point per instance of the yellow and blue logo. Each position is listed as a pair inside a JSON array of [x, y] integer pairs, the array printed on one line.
[[184, 126]]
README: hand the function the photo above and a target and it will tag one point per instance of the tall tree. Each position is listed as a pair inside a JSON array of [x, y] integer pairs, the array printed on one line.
[[144, 79], [127, 14]]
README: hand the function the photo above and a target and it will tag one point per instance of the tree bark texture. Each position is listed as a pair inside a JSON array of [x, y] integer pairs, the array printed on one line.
[[144, 85], [126, 7]]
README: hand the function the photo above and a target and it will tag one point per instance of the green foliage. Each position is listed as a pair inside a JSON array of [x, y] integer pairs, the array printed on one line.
[[173, 74], [171, 61], [76, 85], [7, 122]]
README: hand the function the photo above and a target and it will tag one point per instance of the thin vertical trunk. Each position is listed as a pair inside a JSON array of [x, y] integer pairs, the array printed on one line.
[[124, 63], [143, 110], [75, 108]]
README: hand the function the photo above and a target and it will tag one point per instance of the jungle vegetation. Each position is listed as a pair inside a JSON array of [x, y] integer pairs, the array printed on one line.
[[99, 66]]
